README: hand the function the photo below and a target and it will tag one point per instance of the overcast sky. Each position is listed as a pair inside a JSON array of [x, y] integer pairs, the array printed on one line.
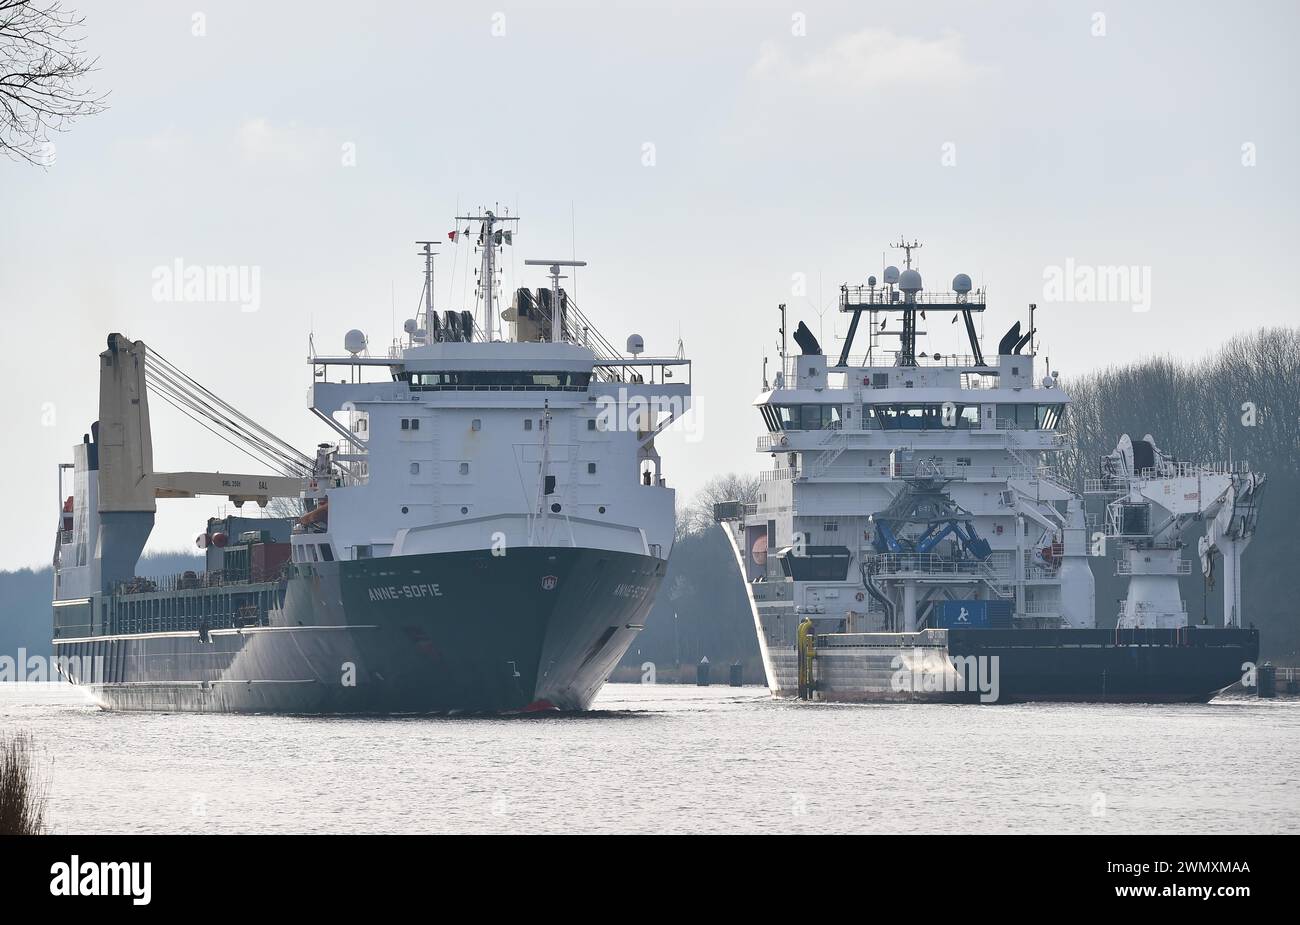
[[317, 141]]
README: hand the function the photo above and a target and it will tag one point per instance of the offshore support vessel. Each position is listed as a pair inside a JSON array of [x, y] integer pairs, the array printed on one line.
[[916, 538], [486, 533]]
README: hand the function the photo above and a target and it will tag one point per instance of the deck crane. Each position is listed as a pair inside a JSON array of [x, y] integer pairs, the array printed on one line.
[[122, 485], [1153, 499]]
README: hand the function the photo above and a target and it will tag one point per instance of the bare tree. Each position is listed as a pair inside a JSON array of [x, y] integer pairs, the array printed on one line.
[[697, 515], [42, 77]]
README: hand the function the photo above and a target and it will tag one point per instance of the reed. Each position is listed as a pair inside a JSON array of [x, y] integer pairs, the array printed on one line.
[[23, 793]]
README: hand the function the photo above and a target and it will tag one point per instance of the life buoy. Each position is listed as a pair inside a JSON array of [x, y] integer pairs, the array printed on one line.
[[861, 596], [785, 441]]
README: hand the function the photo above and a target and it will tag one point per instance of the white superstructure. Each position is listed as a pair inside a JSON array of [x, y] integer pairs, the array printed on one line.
[[956, 452], [914, 494], [494, 430]]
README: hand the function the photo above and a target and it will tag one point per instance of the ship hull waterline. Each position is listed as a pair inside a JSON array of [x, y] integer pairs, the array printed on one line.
[[535, 629], [1048, 666]]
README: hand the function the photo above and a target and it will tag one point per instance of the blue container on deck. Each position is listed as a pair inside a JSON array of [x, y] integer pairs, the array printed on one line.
[[972, 613]]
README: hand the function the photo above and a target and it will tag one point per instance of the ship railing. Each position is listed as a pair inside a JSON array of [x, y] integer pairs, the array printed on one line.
[[881, 298], [1103, 487], [190, 581], [65, 537], [888, 359], [1008, 424], [1193, 470], [927, 469], [784, 474], [1042, 608], [898, 565], [1143, 607], [1125, 567]]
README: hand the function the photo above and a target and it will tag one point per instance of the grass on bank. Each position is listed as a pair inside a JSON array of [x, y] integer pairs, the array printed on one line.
[[22, 789]]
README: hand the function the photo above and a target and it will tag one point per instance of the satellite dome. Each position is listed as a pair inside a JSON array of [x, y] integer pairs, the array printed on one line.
[[354, 342], [891, 275], [909, 281], [635, 345], [871, 281], [961, 283], [410, 325]]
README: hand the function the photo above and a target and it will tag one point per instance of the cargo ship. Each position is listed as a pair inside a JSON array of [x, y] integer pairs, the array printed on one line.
[[484, 532], [918, 538]]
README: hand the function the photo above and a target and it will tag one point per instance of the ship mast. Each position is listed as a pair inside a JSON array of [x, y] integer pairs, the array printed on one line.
[[429, 315], [907, 250], [907, 355], [488, 270]]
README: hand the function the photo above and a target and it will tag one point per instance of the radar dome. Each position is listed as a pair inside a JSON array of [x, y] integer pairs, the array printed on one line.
[[961, 283], [891, 275], [410, 325], [871, 281], [635, 345], [354, 342], [909, 281]]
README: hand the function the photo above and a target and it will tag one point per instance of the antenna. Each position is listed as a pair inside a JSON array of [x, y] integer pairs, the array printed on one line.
[[555, 289]]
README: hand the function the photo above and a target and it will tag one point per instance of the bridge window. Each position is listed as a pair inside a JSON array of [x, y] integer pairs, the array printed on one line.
[[1031, 417], [495, 379], [932, 416], [806, 417]]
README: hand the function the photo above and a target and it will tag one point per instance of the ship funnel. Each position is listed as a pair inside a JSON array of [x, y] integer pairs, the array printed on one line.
[[806, 340]]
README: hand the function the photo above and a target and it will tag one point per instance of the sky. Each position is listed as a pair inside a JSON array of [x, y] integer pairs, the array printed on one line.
[[708, 161]]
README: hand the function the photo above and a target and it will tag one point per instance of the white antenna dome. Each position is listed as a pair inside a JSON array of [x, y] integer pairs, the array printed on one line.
[[410, 325], [354, 342], [961, 283], [909, 281], [871, 281], [891, 275], [635, 345]]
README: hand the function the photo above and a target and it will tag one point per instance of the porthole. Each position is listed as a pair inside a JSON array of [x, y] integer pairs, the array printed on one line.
[[555, 508]]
